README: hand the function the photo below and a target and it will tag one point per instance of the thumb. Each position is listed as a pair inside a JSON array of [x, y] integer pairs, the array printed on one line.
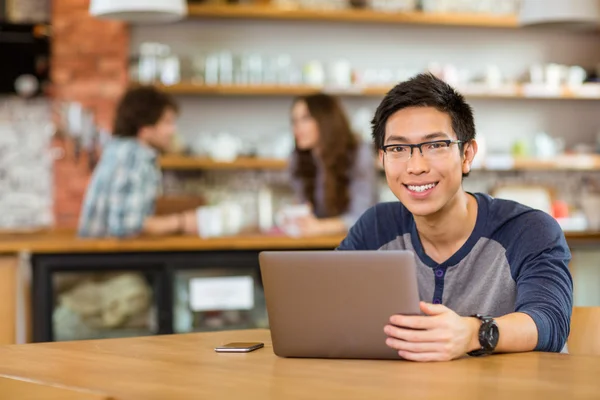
[[432, 309]]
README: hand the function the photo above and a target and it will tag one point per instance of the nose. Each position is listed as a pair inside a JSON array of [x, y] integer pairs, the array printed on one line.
[[417, 164]]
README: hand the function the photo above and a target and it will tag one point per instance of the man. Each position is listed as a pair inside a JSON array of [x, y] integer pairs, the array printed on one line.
[[121, 196], [496, 271]]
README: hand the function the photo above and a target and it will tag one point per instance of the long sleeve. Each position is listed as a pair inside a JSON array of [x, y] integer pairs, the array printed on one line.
[[363, 185], [122, 191], [128, 201], [539, 259]]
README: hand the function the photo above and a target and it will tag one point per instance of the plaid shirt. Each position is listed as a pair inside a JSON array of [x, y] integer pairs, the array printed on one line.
[[122, 191]]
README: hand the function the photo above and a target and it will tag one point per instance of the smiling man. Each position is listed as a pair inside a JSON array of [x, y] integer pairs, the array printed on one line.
[[493, 274]]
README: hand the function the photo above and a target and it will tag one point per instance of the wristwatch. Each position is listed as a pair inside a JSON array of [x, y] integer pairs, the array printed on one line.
[[488, 336]]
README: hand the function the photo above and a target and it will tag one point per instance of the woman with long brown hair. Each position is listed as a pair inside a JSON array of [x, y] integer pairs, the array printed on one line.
[[332, 170]]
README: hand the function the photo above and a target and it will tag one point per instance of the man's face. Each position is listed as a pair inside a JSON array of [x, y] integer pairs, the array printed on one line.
[[160, 135], [425, 184]]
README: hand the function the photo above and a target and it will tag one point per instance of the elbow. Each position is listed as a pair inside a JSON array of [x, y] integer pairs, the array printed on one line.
[[553, 327]]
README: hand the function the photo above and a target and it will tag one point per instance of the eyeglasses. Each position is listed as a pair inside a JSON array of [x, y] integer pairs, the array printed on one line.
[[430, 150]]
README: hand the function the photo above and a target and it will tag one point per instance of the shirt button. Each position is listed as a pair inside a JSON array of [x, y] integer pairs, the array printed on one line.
[[439, 273], [437, 301]]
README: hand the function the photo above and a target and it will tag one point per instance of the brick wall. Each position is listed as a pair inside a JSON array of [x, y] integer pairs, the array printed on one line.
[[89, 65]]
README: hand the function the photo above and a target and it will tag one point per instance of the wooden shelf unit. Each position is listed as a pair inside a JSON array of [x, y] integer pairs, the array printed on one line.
[[182, 163], [518, 92], [186, 88], [350, 15], [561, 163]]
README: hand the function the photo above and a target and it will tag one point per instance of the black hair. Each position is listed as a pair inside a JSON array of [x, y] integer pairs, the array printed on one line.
[[425, 90]]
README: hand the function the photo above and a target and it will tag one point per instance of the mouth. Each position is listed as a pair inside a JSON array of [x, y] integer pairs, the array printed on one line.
[[421, 188]]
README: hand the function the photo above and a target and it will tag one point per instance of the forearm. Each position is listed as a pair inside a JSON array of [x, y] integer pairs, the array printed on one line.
[[333, 226], [163, 225], [518, 333]]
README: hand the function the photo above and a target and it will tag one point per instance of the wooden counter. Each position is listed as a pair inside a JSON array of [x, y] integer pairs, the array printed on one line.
[[178, 367], [67, 243]]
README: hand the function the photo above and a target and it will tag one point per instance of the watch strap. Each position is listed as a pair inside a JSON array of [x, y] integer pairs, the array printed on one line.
[[486, 347]]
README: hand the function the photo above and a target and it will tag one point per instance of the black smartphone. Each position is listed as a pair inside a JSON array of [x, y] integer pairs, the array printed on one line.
[[239, 347]]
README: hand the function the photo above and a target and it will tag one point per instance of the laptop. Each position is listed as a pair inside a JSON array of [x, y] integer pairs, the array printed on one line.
[[335, 304]]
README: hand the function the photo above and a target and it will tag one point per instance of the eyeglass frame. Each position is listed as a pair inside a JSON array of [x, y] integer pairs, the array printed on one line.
[[418, 146]]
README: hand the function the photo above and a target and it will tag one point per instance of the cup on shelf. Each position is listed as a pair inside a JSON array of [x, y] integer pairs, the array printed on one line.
[[170, 73], [224, 219], [150, 61], [493, 77], [392, 5], [225, 68], [224, 147], [576, 76], [314, 73], [340, 73], [211, 69], [255, 65], [287, 216], [198, 63]]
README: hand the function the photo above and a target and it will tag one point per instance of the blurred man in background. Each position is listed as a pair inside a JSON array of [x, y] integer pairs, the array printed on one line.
[[121, 197]]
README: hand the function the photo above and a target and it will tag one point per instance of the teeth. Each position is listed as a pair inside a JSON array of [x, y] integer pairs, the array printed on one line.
[[421, 188]]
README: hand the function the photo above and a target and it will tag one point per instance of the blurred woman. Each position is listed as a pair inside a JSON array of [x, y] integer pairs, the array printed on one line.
[[332, 171]]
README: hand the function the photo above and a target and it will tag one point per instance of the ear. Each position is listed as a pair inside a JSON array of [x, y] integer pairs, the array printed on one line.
[[470, 150], [381, 159]]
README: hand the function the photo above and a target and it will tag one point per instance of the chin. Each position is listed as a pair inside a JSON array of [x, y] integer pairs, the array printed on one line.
[[303, 147], [420, 208]]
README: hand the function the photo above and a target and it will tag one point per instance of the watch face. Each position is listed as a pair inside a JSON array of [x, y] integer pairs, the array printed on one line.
[[493, 334]]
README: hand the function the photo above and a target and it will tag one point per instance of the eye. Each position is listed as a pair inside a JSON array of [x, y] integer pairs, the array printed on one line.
[[436, 145], [397, 149]]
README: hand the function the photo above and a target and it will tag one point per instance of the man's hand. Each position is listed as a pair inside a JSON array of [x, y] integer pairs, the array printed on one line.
[[189, 223], [441, 335]]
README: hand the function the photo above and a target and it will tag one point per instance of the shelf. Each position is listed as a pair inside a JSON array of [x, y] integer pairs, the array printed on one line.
[[496, 163], [236, 90], [565, 162], [589, 91], [176, 162], [350, 15]]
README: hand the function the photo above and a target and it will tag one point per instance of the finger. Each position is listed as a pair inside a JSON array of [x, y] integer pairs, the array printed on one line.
[[433, 309], [414, 321], [414, 335], [401, 345], [423, 357]]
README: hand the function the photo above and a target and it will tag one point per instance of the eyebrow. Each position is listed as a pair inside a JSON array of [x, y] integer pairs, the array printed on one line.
[[429, 136]]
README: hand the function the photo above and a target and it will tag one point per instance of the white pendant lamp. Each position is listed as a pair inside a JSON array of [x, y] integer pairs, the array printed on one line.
[[582, 14], [139, 11]]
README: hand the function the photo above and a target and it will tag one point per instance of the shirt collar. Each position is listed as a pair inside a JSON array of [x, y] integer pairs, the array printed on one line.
[[143, 149]]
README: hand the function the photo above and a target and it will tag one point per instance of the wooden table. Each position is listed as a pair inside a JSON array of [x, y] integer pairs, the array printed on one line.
[[186, 367]]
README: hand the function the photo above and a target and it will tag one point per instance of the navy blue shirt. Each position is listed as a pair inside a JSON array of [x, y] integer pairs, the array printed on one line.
[[516, 260]]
